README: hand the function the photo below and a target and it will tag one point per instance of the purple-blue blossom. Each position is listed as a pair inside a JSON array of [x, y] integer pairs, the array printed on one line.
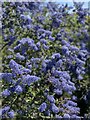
[[15, 67], [58, 92], [11, 114], [42, 107], [66, 116], [54, 108], [8, 77], [20, 57], [18, 89], [56, 56], [6, 93], [5, 109], [28, 79], [64, 49], [51, 98]]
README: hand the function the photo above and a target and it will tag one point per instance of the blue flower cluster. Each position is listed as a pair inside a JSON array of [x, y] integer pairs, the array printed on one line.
[[45, 60]]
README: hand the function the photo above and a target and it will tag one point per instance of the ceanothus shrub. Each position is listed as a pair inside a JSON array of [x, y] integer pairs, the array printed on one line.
[[45, 60]]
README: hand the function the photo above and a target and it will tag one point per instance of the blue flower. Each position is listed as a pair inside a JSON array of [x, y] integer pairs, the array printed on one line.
[[28, 79], [56, 56], [75, 117], [23, 16], [78, 70], [48, 33], [58, 117], [66, 116], [61, 109], [57, 73], [59, 63], [7, 77], [74, 98], [28, 18], [42, 107], [71, 103], [51, 38], [66, 75], [10, 114], [40, 30], [29, 27], [25, 70], [64, 49], [80, 62], [17, 48], [58, 92], [6, 93], [51, 98], [72, 109], [15, 67], [20, 57], [54, 108], [45, 47], [43, 41], [64, 42], [5, 109], [35, 60], [80, 77], [38, 44], [50, 64], [18, 89], [74, 48]]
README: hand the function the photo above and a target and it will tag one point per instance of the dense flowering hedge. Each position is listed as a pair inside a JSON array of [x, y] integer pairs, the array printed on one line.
[[45, 60]]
